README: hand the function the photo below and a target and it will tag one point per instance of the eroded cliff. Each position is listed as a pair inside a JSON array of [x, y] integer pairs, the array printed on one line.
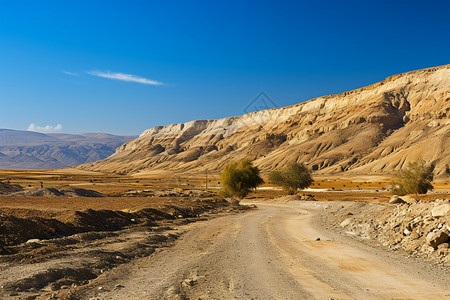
[[370, 130]]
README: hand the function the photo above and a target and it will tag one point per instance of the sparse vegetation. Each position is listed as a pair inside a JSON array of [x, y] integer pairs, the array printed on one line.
[[292, 177], [415, 179], [239, 177]]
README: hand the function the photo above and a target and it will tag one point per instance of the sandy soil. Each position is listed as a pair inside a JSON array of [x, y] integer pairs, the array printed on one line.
[[273, 252]]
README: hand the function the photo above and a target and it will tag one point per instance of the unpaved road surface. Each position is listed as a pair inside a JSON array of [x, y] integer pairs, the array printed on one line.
[[272, 252]]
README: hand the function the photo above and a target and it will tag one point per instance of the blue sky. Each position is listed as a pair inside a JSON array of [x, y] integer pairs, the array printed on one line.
[[125, 66]]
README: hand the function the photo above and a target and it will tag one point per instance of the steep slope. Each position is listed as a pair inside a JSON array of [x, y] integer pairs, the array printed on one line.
[[33, 150], [370, 130]]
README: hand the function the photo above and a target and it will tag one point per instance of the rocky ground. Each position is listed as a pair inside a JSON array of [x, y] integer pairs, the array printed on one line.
[[418, 229]]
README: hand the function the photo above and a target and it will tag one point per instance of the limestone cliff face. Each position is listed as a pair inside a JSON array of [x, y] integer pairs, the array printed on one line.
[[371, 130]]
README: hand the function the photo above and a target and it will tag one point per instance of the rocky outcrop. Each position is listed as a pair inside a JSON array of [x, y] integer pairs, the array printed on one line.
[[413, 228], [371, 130]]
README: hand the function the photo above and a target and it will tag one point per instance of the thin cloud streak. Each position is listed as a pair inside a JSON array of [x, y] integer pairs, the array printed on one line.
[[47, 128], [70, 73], [125, 77]]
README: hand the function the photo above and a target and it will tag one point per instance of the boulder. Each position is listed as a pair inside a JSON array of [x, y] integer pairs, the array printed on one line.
[[396, 199], [32, 241], [441, 210], [409, 199], [307, 197], [435, 238]]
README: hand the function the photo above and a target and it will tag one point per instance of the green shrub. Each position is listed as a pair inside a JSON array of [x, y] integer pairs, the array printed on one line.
[[239, 177], [415, 179], [292, 177]]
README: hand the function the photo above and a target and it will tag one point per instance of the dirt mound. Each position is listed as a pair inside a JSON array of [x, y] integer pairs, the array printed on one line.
[[177, 192], [77, 192], [6, 188], [66, 191], [21, 225]]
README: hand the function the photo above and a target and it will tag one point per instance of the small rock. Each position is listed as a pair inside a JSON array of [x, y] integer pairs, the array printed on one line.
[[13, 294], [396, 199], [414, 236], [443, 251], [30, 241], [441, 210], [345, 222], [444, 246], [409, 199], [317, 239], [434, 239], [118, 286], [190, 282]]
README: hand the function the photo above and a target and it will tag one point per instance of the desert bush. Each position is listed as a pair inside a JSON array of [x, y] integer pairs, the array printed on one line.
[[292, 177], [239, 177], [415, 179]]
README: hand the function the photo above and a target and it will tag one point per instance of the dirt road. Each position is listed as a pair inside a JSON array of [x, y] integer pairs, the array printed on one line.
[[272, 252]]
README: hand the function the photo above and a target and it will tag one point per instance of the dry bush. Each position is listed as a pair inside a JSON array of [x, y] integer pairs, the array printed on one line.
[[239, 177], [415, 179], [292, 177]]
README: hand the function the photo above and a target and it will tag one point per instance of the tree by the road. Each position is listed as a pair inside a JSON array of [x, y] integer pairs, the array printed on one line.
[[292, 177], [415, 179], [239, 177]]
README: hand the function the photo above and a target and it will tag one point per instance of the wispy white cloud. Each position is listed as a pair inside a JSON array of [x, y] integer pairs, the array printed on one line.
[[70, 73], [125, 77], [47, 128]]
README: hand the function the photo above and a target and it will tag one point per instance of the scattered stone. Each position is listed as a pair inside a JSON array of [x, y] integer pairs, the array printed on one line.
[[12, 294], [118, 286], [441, 210], [317, 239]]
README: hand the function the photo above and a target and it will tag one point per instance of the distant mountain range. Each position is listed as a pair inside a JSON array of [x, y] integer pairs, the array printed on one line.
[[34, 150]]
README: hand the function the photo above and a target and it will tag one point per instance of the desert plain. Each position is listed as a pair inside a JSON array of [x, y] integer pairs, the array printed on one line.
[[170, 237]]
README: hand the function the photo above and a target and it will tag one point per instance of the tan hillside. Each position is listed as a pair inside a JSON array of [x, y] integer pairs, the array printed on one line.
[[370, 130]]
